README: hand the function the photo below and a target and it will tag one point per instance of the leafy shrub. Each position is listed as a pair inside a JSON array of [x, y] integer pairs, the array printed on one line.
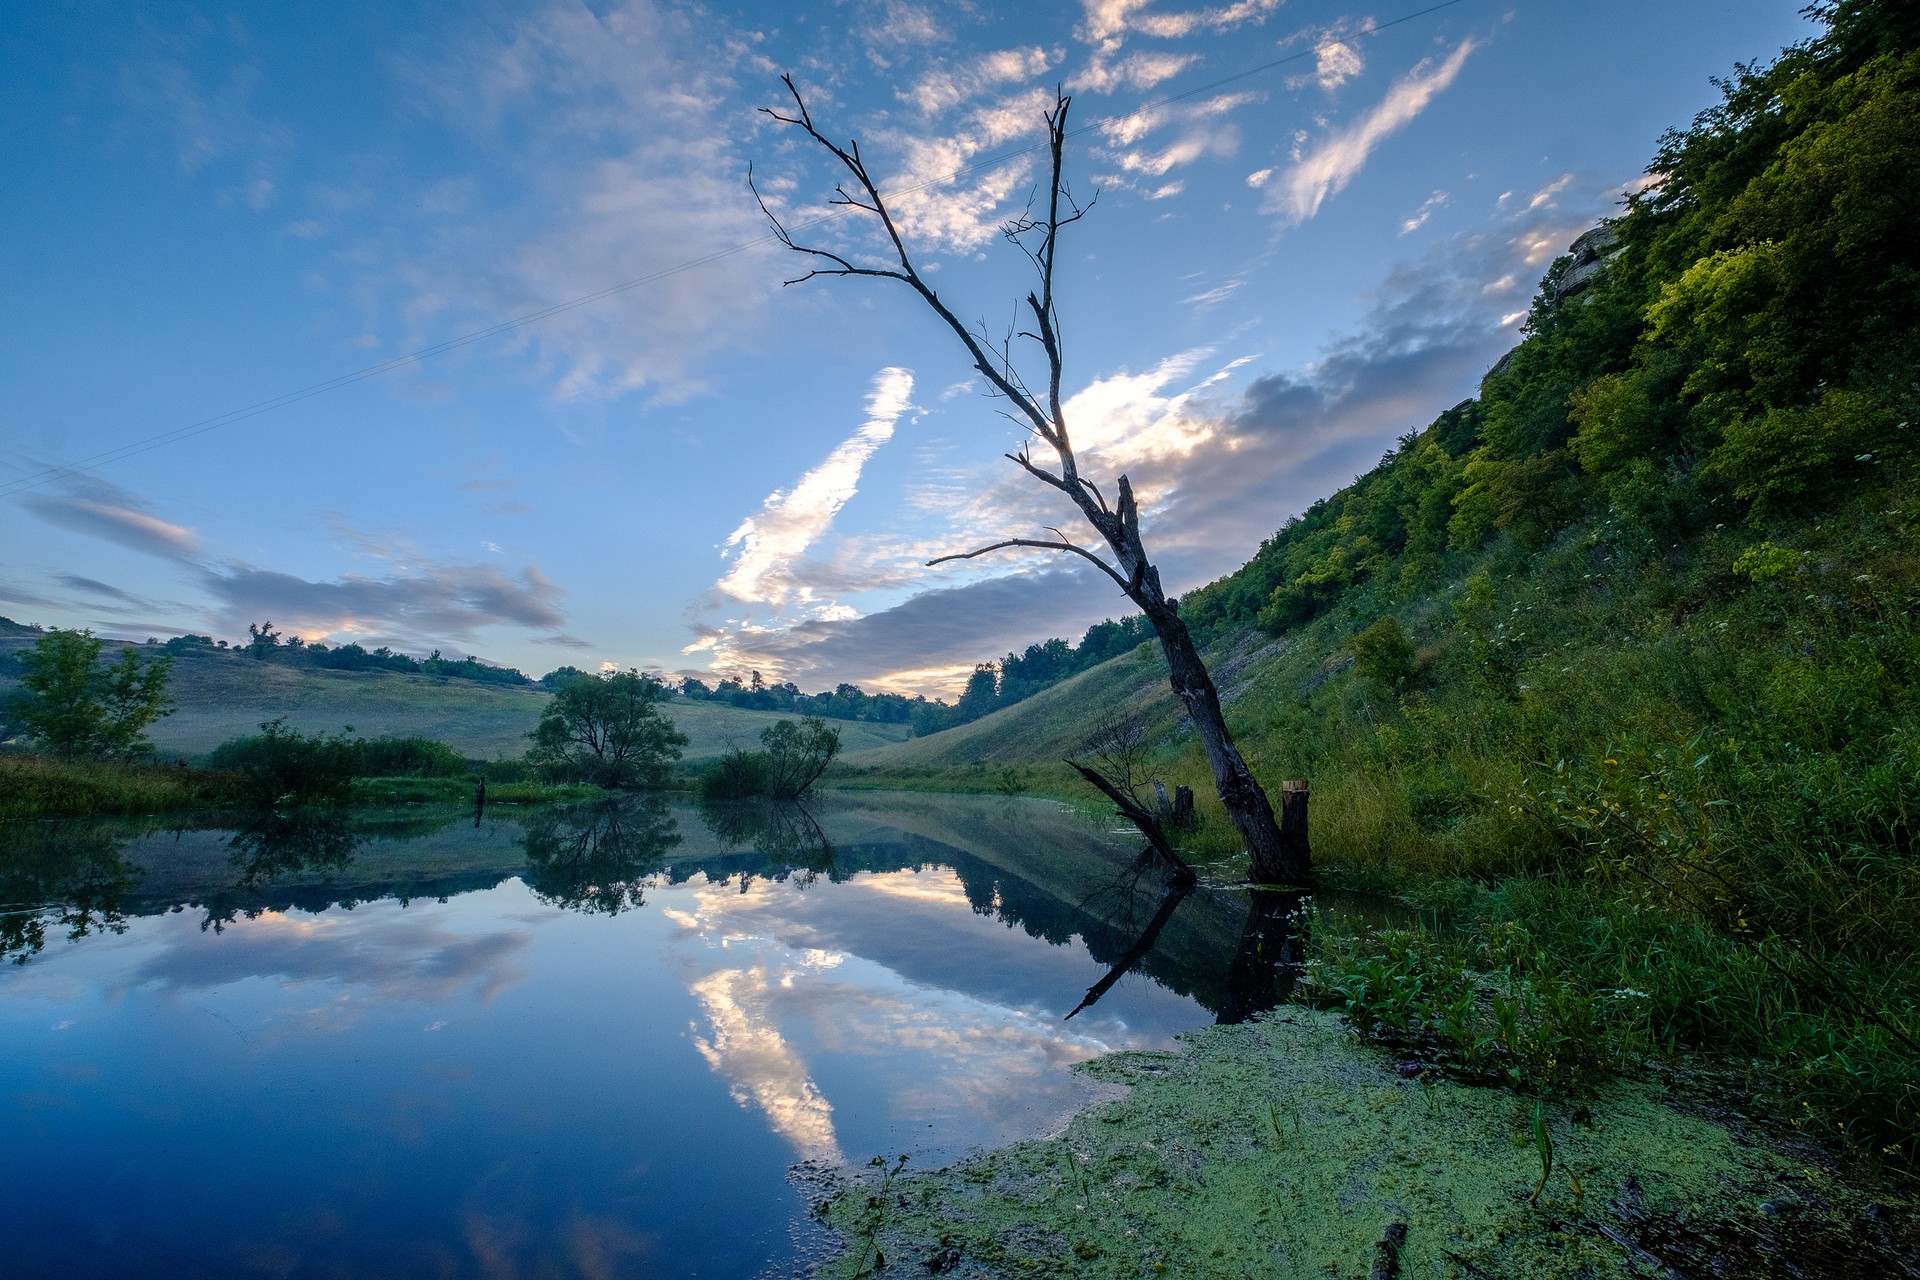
[[791, 760], [607, 730], [408, 757], [736, 775], [1384, 653], [1783, 457], [282, 766]]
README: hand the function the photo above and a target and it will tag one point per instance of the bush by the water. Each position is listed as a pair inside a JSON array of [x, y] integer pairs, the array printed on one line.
[[280, 765], [35, 786], [791, 759]]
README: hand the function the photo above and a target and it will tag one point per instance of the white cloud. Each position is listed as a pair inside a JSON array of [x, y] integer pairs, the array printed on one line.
[[101, 509], [747, 1048], [1335, 62], [772, 541], [934, 201], [1544, 197], [948, 87], [1425, 211], [1327, 170], [1110, 19]]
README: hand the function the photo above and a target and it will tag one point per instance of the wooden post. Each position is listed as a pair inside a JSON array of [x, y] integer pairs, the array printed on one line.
[[1183, 808], [1293, 821]]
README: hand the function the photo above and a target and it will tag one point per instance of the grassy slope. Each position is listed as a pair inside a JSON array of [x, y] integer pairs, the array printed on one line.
[[1035, 735], [222, 696]]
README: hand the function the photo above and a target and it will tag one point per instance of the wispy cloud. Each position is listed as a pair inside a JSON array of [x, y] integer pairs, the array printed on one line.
[[418, 601], [1327, 169], [1107, 24], [102, 590], [946, 87], [599, 143], [1419, 216], [773, 540], [1218, 470], [212, 120], [101, 509]]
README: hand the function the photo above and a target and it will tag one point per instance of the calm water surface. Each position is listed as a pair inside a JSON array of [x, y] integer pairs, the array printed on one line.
[[591, 1041]]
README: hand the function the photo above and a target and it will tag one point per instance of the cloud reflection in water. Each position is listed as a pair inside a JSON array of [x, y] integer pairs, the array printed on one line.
[[784, 1015]]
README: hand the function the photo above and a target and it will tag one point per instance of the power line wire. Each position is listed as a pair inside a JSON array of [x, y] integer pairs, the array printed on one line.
[[94, 462]]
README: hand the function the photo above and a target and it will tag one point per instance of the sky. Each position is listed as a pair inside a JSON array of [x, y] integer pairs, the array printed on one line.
[[457, 326]]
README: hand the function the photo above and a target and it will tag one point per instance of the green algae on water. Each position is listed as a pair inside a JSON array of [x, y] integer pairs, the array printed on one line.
[[1283, 1148]]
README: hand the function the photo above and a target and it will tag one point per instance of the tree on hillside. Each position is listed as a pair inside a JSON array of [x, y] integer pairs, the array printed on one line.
[[73, 706], [607, 729], [1038, 407]]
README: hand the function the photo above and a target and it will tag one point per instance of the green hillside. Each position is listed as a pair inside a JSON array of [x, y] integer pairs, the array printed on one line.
[[221, 695], [1613, 669]]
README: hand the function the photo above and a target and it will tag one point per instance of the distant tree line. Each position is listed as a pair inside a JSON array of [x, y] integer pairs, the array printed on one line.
[[268, 645], [1019, 676]]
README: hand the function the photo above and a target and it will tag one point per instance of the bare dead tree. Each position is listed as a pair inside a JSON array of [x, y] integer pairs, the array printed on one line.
[[1041, 413]]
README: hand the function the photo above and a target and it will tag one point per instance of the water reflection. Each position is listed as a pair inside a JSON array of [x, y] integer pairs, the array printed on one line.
[[451, 1045], [1266, 963], [65, 877], [784, 832], [597, 857]]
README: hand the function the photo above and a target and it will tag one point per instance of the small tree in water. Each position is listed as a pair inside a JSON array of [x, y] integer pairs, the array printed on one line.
[[1038, 407]]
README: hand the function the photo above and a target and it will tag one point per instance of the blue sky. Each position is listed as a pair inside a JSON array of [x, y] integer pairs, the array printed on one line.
[[205, 208]]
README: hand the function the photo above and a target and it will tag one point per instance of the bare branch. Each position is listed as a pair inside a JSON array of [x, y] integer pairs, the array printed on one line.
[[1044, 546], [1036, 472]]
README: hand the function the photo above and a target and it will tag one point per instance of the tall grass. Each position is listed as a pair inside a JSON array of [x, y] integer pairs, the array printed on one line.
[[41, 787]]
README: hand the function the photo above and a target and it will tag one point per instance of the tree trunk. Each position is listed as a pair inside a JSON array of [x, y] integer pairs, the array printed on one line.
[[1275, 861]]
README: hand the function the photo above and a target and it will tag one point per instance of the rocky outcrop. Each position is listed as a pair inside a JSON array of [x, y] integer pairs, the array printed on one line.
[[1591, 254]]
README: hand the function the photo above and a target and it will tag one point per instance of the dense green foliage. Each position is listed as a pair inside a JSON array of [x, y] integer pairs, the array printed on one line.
[[607, 730], [75, 707], [1746, 354], [790, 760], [1646, 746], [845, 702], [36, 786], [282, 766]]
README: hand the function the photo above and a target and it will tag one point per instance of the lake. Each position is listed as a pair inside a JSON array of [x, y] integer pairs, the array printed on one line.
[[618, 1039]]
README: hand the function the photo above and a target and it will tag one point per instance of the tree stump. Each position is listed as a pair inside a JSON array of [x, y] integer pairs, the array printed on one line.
[[1293, 820]]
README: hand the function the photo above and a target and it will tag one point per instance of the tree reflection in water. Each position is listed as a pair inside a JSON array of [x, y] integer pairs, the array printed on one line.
[[784, 832], [1266, 965], [64, 876], [271, 844], [1266, 962], [268, 845], [598, 857]]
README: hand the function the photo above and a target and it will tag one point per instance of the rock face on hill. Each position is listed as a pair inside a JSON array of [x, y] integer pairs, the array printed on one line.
[[1591, 254]]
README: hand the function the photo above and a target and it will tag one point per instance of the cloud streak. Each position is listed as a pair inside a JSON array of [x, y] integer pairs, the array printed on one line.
[[772, 541], [1327, 170], [449, 601], [104, 510]]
